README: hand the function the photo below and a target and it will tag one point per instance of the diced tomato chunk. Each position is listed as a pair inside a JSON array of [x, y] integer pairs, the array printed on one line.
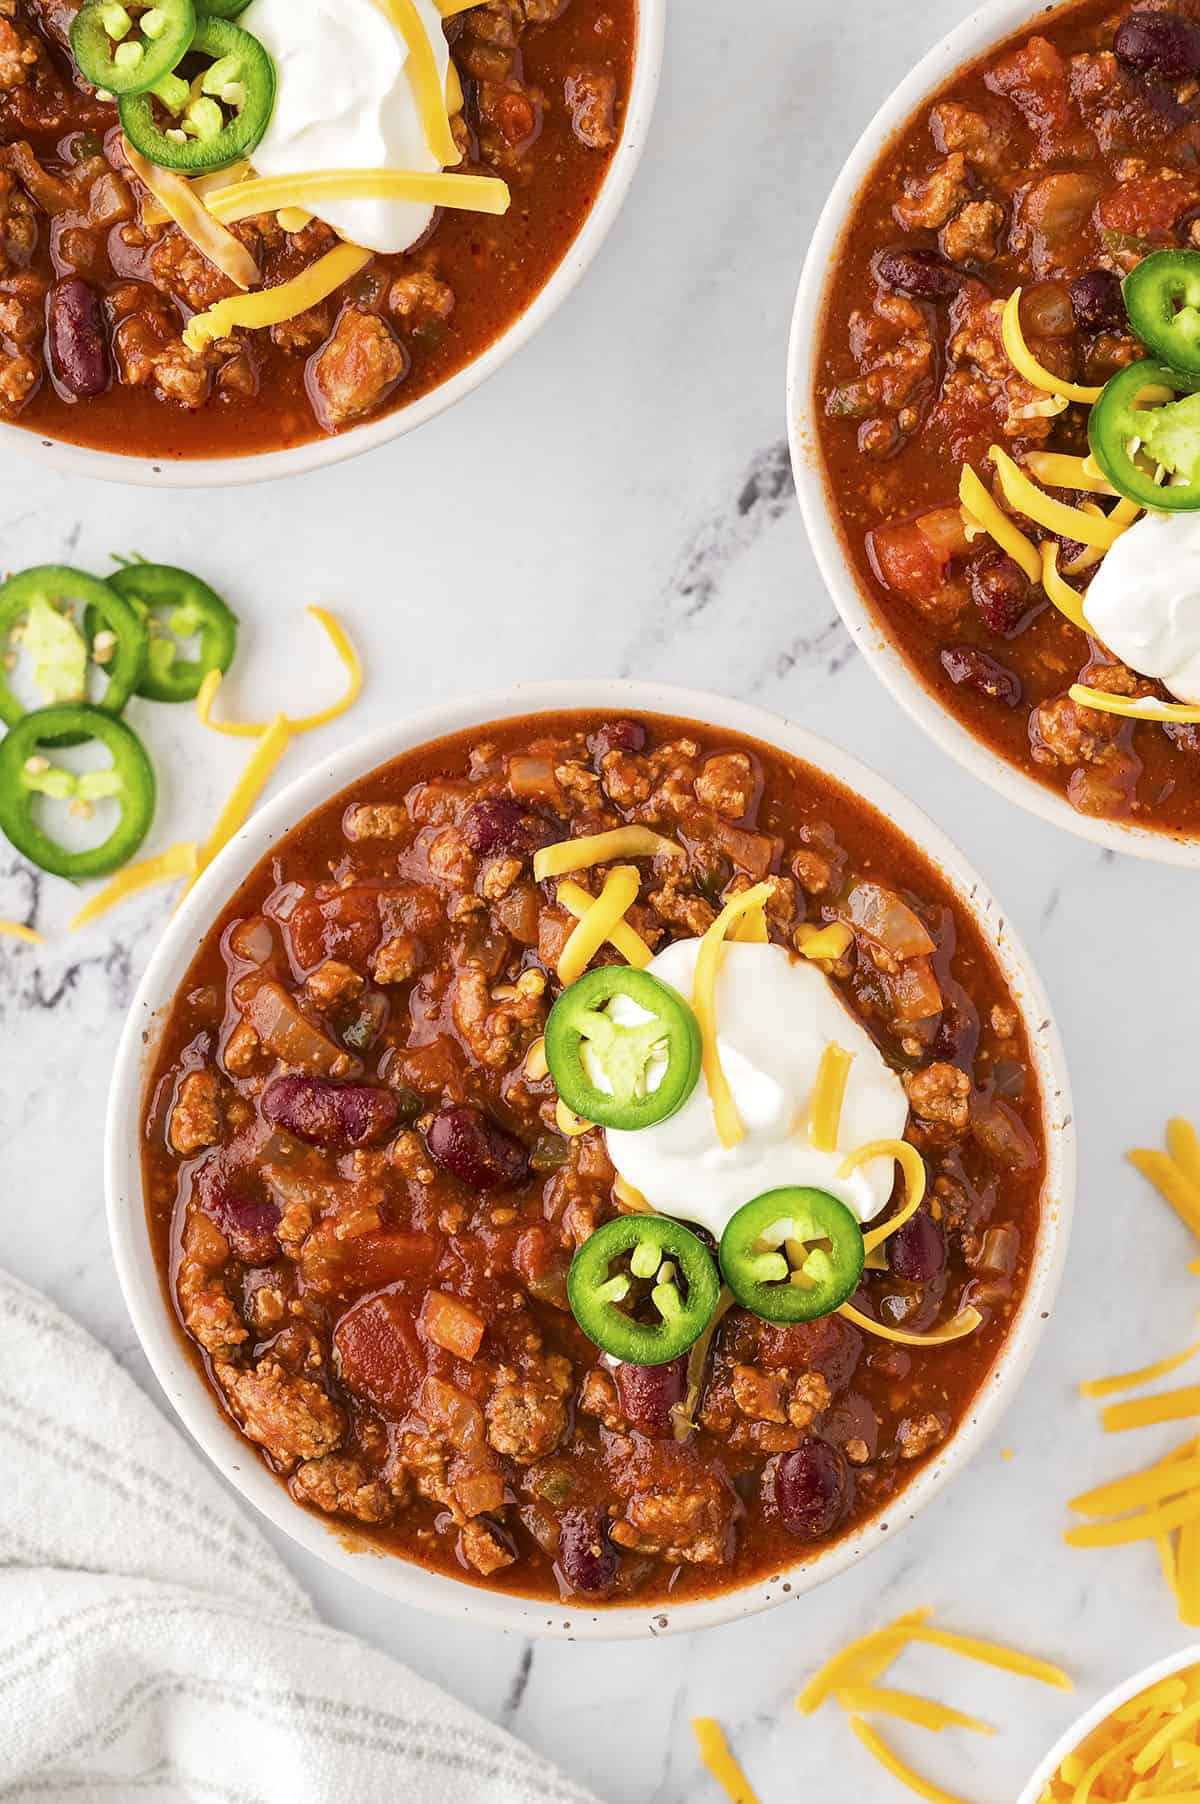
[[365, 1261], [452, 1324], [380, 1355], [905, 561]]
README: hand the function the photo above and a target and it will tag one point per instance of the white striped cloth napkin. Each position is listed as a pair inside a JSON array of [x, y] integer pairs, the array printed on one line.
[[152, 1646]]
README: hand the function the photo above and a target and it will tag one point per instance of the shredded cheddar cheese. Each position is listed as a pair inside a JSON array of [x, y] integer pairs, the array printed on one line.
[[628, 942], [1133, 707], [596, 925], [1128, 1381], [891, 1762], [293, 219], [983, 512], [911, 1164], [1058, 471], [957, 1328], [1148, 1748], [1139, 1488], [1027, 365], [601, 848], [1088, 556], [250, 785], [751, 930], [1146, 1526], [1173, 1183], [180, 202], [307, 723], [629, 1199], [714, 1752], [272, 306], [426, 82], [704, 1003], [907, 1707], [176, 862], [1066, 599], [449, 8], [1146, 1412], [569, 1123], [432, 188], [823, 944], [155, 214], [1102, 530], [1183, 1144], [16, 930], [829, 1093]]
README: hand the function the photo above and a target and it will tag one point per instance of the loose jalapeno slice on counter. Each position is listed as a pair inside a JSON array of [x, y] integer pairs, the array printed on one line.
[[33, 601], [643, 1288], [26, 774], [1137, 423], [792, 1254], [127, 49], [189, 609], [1162, 299], [624, 1049], [220, 123]]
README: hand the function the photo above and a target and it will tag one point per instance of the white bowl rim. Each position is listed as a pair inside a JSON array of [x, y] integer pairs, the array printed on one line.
[[1091, 1719], [190, 1394], [323, 452], [986, 26]]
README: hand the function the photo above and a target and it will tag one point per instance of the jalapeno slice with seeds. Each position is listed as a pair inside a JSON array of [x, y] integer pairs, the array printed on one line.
[[163, 596], [1128, 435], [221, 9], [624, 1049], [26, 774], [1162, 299], [792, 1255], [126, 49], [35, 600], [220, 123], [643, 1288]]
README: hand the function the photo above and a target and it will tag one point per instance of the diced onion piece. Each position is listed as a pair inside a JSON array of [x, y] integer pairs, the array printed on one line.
[[1146, 1412], [1173, 1184], [823, 943], [16, 930], [986, 515], [620, 891], [569, 1123], [425, 80], [704, 1002], [1128, 1381], [181, 203], [1066, 599], [1102, 530], [906, 1707], [892, 1763], [862, 1661], [602, 848], [1134, 707], [911, 1164], [536, 1067], [1027, 365], [254, 729], [1058, 471], [879, 913], [628, 943], [714, 1752], [155, 214], [177, 861], [829, 1093], [272, 306], [250, 785], [964, 1323], [428, 188]]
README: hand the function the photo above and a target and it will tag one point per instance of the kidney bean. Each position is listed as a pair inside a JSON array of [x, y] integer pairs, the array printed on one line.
[[923, 274], [76, 339], [617, 736], [587, 1560], [500, 824], [917, 1251], [649, 1393], [971, 668], [472, 1148], [247, 1221], [810, 1488], [328, 1114], [1160, 42], [1001, 591], [1097, 301]]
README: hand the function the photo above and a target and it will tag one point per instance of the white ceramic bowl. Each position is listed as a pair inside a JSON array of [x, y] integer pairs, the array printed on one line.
[[1091, 1719], [985, 27], [267, 466], [190, 1394]]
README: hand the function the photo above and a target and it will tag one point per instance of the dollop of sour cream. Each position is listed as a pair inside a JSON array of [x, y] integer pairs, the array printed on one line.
[[1144, 601], [346, 101], [775, 1016]]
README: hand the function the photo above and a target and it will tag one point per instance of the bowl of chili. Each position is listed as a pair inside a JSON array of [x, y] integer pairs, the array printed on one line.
[[872, 466], [791, 1255], [118, 359]]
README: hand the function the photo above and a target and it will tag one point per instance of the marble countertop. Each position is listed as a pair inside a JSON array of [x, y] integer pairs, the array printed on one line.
[[642, 435]]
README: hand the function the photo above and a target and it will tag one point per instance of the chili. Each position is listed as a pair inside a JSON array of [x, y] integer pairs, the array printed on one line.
[[129, 781], [663, 1271], [241, 77], [624, 1049], [792, 1255]]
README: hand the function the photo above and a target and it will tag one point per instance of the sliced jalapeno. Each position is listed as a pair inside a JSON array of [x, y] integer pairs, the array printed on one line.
[[1137, 424], [1162, 299], [792, 1254], [643, 1288], [128, 48], [220, 117], [27, 774], [118, 644], [624, 1049], [165, 597], [221, 9]]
